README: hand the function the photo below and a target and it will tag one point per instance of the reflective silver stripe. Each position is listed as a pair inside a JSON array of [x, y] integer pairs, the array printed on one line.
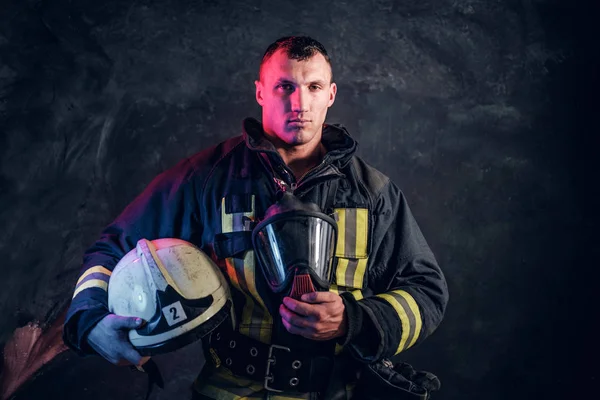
[[350, 233]]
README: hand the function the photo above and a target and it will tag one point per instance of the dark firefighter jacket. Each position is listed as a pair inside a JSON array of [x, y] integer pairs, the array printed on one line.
[[394, 292]]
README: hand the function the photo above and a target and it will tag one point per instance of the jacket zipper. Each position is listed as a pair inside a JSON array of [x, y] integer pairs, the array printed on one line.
[[294, 184], [313, 174], [294, 187]]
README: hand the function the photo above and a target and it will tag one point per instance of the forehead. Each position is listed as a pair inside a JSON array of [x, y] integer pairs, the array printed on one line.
[[280, 66]]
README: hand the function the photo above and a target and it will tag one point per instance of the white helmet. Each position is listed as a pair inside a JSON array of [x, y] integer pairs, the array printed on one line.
[[173, 286]]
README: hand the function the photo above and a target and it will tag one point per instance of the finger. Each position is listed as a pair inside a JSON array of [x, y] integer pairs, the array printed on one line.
[[130, 354], [301, 308], [319, 297], [288, 326], [308, 332], [119, 322], [293, 318], [297, 330]]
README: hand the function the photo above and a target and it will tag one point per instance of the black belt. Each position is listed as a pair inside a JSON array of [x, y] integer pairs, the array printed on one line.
[[280, 368]]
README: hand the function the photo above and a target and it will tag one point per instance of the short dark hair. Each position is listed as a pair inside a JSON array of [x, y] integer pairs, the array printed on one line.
[[299, 48]]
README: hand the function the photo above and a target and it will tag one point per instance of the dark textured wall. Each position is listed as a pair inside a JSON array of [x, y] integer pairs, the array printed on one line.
[[475, 108]]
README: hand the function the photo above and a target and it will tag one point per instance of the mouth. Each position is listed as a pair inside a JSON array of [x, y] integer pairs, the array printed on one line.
[[298, 120]]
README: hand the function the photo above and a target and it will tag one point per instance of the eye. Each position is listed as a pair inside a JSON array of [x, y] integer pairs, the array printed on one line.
[[286, 87], [315, 87]]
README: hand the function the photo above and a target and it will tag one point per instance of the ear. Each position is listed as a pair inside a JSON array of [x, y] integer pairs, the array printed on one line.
[[332, 93], [259, 90]]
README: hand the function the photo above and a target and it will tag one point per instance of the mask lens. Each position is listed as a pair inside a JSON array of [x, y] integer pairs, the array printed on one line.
[[295, 241]]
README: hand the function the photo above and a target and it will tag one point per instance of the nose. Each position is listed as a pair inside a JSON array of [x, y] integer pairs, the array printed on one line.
[[299, 100]]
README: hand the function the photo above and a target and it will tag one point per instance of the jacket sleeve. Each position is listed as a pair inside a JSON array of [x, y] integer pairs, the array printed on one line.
[[166, 208], [406, 292]]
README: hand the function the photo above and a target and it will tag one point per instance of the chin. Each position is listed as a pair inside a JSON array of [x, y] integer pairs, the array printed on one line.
[[299, 136]]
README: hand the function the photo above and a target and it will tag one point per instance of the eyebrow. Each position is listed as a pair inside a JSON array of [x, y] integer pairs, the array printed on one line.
[[318, 82]]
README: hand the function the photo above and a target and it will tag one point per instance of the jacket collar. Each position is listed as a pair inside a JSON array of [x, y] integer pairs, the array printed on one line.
[[338, 142]]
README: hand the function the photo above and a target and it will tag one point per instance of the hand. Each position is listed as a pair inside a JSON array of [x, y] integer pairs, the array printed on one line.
[[319, 316], [109, 338]]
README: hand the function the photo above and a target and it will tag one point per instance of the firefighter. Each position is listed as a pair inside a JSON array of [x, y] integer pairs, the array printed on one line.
[[328, 270]]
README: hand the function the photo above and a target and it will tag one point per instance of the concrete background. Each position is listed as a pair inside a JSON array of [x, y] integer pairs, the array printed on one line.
[[480, 110]]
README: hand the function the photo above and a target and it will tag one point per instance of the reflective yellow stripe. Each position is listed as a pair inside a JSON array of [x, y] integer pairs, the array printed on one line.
[[350, 272], [266, 320], [97, 268], [92, 283], [357, 294], [350, 389], [403, 314], [223, 385], [231, 273], [226, 219], [353, 232], [359, 273], [334, 288], [412, 304], [362, 229], [351, 246], [245, 323], [340, 272], [217, 393], [256, 322], [340, 248], [403, 319]]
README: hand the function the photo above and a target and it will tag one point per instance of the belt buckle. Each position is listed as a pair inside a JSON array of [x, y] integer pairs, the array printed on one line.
[[270, 361]]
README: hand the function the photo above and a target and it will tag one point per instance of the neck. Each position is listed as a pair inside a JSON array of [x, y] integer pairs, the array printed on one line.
[[300, 158]]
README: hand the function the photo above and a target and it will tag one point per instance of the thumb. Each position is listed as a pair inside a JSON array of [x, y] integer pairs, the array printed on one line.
[[311, 297], [127, 322], [319, 297]]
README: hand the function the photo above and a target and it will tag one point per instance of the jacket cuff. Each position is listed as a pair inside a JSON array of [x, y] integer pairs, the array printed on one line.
[[354, 318], [77, 328], [363, 338]]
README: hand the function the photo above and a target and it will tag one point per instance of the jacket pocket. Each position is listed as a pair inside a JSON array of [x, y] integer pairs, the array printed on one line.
[[352, 247], [237, 213]]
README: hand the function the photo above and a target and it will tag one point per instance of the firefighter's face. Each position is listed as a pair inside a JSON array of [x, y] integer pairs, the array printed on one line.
[[295, 96]]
